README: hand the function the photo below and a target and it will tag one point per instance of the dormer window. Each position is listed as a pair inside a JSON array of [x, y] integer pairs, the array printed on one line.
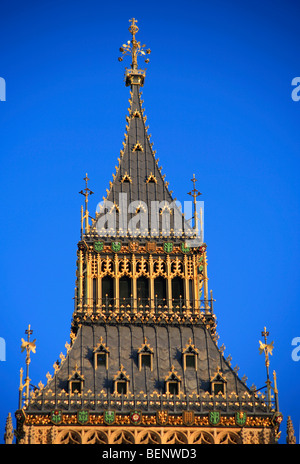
[[146, 360], [101, 353], [173, 388], [151, 179], [121, 382], [136, 114], [173, 381], [122, 387], [115, 208], [145, 356], [218, 383], [76, 381], [190, 361], [137, 147], [141, 208], [101, 359], [76, 386], [190, 356], [218, 387], [165, 209], [126, 178]]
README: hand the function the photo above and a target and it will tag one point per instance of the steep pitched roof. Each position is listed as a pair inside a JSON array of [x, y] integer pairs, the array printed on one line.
[[123, 342], [139, 187], [138, 174], [138, 180]]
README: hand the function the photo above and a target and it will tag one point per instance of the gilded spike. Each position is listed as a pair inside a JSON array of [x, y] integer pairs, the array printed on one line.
[[267, 349], [28, 346], [86, 192]]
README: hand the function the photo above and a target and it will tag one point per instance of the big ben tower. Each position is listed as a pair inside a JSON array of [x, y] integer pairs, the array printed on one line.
[[143, 365]]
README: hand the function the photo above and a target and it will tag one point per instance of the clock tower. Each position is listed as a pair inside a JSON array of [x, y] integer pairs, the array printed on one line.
[[143, 365]]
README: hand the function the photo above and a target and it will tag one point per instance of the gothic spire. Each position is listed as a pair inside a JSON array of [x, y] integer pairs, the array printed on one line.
[[9, 430], [138, 176]]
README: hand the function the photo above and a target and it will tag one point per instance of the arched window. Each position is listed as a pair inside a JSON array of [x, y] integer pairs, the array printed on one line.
[[191, 292], [142, 290], [95, 290], [107, 290], [124, 288], [160, 290], [177, 290]]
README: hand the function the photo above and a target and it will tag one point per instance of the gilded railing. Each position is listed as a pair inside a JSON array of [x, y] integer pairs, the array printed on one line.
[[144, 310], [202, 403]]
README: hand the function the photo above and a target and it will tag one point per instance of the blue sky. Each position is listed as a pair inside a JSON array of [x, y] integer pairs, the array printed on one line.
[[218, 101]]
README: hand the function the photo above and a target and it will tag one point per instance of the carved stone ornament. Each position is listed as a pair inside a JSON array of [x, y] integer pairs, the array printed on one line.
[[151, 247]]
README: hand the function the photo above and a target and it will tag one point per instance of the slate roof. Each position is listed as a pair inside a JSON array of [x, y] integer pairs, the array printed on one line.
[[138, 174], [123, 342], [140, 163]]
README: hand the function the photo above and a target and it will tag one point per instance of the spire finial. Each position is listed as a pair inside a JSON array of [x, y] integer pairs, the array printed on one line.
[[290, 438], [28, 346], [134, 48], [267, 350], [86, 192], [9, 430], [195, 193], [133, 29]]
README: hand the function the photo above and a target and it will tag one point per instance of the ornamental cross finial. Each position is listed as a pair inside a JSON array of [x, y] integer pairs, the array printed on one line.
[[267, 349], [85, 192], [195, 193], [133, 47], [28, 346]]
